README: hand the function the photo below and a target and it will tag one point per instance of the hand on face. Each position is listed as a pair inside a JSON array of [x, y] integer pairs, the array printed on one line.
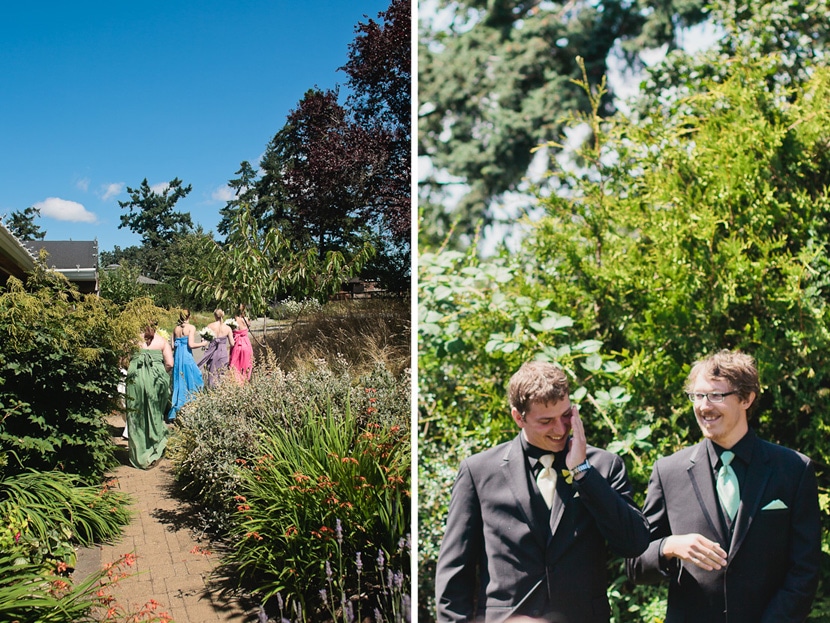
[[578, 443]]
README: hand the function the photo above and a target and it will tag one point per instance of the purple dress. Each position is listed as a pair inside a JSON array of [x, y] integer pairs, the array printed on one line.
[[215, 361]]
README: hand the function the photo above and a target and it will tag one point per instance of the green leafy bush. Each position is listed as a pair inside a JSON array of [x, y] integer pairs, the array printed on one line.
[[329, 487], [244, 446], [43, 516], [58, 376]]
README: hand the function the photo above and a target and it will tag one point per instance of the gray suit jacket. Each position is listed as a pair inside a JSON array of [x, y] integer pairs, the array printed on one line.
[[774, 549], [499, 558]]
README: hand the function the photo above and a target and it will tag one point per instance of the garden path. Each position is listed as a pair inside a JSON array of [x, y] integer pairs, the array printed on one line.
[[174, 565]]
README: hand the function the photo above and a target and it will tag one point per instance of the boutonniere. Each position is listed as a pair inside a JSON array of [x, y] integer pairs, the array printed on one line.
[[569, 477]]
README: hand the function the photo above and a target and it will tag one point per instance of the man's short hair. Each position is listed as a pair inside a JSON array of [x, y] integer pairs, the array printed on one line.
[[537, 382], [736, 368]]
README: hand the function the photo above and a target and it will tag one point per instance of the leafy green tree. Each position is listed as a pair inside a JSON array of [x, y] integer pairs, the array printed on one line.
[[480, 126], [59, 371], [260, 268], [22, 224], [120, 285]]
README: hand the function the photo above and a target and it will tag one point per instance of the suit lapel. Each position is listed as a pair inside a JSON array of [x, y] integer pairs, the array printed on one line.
[[700, 473], [757, 475], [515, 474]]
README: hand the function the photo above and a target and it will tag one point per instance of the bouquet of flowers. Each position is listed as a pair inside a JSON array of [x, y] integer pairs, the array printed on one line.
[[231, 322], [207, 334]]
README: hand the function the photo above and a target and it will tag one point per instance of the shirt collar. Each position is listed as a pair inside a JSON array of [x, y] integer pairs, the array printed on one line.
[[742, 449]]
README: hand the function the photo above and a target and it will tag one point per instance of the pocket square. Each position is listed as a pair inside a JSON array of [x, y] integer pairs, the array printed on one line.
[[774, 506]]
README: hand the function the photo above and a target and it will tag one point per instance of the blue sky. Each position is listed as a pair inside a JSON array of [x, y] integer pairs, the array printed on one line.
[[97, 95]]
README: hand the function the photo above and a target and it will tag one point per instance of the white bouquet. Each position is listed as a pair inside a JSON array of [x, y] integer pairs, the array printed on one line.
[[231, 322], [207, 334]]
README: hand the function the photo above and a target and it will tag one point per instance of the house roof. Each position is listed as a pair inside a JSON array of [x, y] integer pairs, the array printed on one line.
[[67, 254], [77, 259]]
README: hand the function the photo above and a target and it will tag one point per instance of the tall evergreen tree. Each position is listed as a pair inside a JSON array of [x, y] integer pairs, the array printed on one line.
[[22, 224], [496, 82], [152, 215]]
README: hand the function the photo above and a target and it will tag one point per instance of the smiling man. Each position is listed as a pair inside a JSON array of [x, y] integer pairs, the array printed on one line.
[[530, 521], [734, 520]]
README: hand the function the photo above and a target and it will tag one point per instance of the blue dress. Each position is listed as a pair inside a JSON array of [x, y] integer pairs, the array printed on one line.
[[187, 378]]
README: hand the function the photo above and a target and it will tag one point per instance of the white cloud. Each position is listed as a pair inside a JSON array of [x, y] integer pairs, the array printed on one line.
[[223, 193], [64, 210], [160, 188], [83, 184], [109, 191]]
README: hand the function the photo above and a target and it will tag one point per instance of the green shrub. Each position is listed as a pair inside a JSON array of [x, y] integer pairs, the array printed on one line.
[[327, 488], [320, 422], [59, 371], [43, 516]]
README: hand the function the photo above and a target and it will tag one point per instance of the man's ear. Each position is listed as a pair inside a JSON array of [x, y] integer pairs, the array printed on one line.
[[749, 400], [517, 417]]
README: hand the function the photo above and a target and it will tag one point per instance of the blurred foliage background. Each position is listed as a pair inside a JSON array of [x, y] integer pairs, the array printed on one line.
[[692, 219]]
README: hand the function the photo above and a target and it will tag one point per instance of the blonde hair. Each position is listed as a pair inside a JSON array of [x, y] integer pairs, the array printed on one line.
[[218, 314]]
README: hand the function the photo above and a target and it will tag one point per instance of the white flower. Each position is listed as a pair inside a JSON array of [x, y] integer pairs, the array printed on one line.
[[231, 322], [207, 334]]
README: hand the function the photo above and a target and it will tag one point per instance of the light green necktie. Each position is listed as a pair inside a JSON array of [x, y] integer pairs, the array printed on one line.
[[546, 479], [727, 485]]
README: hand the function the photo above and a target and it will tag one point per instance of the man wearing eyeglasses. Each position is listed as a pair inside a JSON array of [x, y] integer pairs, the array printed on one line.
[[531, 520], [734, 520]]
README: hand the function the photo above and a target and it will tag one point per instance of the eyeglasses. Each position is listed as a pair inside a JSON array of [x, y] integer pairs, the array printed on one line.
[[711, 396]]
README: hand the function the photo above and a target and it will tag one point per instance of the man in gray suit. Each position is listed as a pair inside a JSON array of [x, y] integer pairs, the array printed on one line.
[[734, 520], [530, 520]]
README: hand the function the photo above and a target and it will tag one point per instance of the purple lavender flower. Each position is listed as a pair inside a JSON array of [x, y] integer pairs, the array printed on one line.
[[261, 615], [324, 595], [378, 616], [329, 574], [338, 528], [358, 563]]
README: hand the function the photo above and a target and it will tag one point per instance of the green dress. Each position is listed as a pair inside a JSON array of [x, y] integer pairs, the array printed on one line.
[[148, 398]]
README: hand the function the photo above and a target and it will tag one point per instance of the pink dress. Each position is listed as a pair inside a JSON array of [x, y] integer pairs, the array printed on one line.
[[242, 354]]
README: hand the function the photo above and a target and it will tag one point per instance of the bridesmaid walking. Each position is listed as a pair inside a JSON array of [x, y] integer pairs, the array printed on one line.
[[187, 378], [215, 360], [148, 392], [242, 353]]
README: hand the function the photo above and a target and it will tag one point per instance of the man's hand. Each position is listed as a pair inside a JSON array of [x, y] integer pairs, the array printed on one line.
[[695, 549], [578, 444]]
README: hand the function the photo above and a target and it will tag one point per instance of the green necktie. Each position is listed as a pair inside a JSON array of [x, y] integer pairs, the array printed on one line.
[[727, 485]]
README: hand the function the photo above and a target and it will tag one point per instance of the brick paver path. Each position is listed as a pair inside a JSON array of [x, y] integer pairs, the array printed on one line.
[[174, 566]]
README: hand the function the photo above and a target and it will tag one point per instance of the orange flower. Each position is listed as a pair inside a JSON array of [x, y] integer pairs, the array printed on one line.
[[61, 567]]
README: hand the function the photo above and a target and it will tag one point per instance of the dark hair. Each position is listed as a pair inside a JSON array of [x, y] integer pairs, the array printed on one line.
[[537, 382], [150, 331], [736, 368], [184, 314]]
